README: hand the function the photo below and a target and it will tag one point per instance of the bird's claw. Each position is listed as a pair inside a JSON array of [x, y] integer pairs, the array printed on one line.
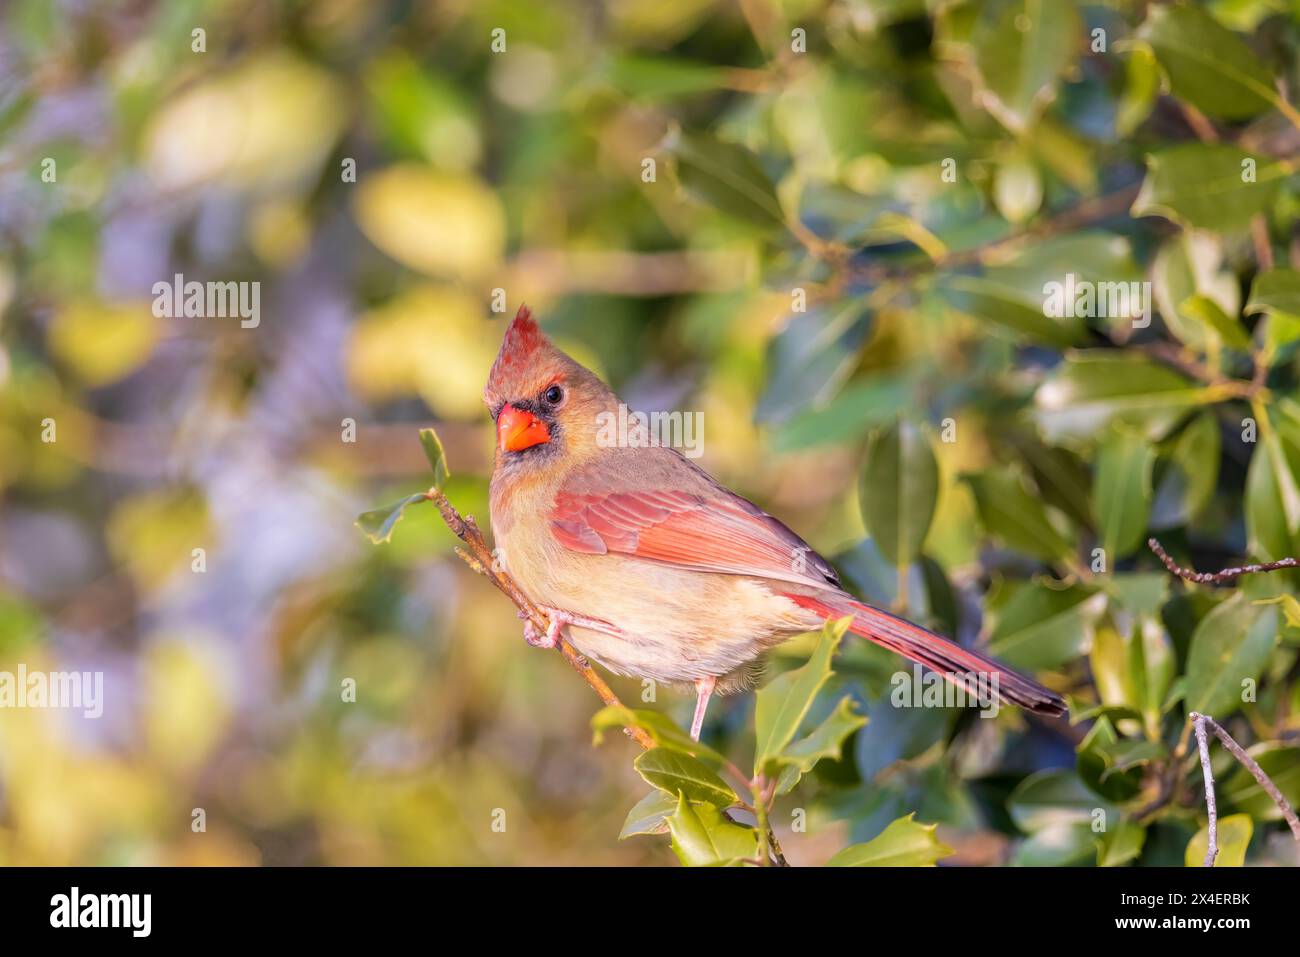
[[558, 619], [538, 640]]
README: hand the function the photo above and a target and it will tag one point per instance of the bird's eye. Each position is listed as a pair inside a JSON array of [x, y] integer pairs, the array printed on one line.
[[553, 396]]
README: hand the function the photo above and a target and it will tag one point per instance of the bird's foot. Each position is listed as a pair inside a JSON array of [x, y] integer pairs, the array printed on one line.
[[539, 640], [559, 619]]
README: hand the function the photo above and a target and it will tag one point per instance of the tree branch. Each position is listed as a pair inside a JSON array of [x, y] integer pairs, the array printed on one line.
[[1212, 828], [1200, 723], [1219, 577]]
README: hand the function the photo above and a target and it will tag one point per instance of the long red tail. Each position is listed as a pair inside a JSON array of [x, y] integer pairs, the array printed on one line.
[[950, 660]]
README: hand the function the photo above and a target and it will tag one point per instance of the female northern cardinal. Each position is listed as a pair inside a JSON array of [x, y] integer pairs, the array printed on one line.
[[656, 569]]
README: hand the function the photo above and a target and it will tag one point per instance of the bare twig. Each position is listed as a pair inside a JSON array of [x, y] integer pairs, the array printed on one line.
[[1204, 721], [1212, 829], [1199, 123], [1219, 577], [1260, 239]]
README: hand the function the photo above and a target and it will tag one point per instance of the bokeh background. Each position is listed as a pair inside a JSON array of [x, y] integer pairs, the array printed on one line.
[[918, 169]]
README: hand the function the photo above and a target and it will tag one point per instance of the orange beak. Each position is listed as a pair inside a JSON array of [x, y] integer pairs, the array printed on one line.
[[517, 429]]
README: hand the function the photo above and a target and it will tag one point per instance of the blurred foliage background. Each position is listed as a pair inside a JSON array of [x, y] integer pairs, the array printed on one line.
[[917, 169]]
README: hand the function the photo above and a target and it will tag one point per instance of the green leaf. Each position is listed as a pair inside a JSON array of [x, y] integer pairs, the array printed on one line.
[[1272, 500], [1052, 798], [1129, 753], [1208, 65], [1190, 476], [1017, 189], [1208, 312], [1205, 185], [1234, 833], [659, 726], [1121, 844], [898, 491], [1090, 255], [1010, 513], [664, 76], [1133, 671], [904, 843], [1231, 645], [1272, 485], [1141, 87], [781, 705], [1060, 476], [1097, 765], [1153, 666], [810, 359], [704, 836], [825, 741], [862, 404], [1242, 792], [1192, 264], [1141, 593], [649, 815], [1060, 845], [675, 772], [1093, 389], [991, 302], [896, 735], [1043, 626], [1021, 49], [1276, 292], [728, 177], [378, 523], [1122, 491], [436, 456], [1108, 661]]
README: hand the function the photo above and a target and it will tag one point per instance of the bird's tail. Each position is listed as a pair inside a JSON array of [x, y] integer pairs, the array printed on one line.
[[965, 668]]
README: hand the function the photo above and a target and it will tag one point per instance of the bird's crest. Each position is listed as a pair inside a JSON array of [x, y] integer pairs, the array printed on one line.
[[524, 348]]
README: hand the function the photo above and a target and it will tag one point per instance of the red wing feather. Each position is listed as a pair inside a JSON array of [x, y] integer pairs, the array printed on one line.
[[715, 533]]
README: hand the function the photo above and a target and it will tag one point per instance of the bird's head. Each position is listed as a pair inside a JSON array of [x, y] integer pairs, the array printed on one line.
[[544, 403]]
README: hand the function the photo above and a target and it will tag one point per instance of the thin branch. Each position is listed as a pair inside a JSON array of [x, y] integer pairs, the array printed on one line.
[[1260, 239], [1250, 764], [1219, 577], [1199, 123], [1212, 829]]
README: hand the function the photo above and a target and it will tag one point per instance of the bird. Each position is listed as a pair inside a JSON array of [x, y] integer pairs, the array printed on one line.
[[649, 565]]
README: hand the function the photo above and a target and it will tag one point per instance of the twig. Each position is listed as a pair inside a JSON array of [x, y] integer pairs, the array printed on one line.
[[1219, 577], [1212, 829], [1203, 721], [1260, 239], [1199, 123]]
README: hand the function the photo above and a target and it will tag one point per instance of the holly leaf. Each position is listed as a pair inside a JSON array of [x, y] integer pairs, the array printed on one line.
[[904, 843], [433, 451], [676, 773], [649, 815], [704, 836], [378, 524], [782, 704]]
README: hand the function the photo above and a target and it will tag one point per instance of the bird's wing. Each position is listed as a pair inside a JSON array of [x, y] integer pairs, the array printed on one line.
[[659, 507]]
